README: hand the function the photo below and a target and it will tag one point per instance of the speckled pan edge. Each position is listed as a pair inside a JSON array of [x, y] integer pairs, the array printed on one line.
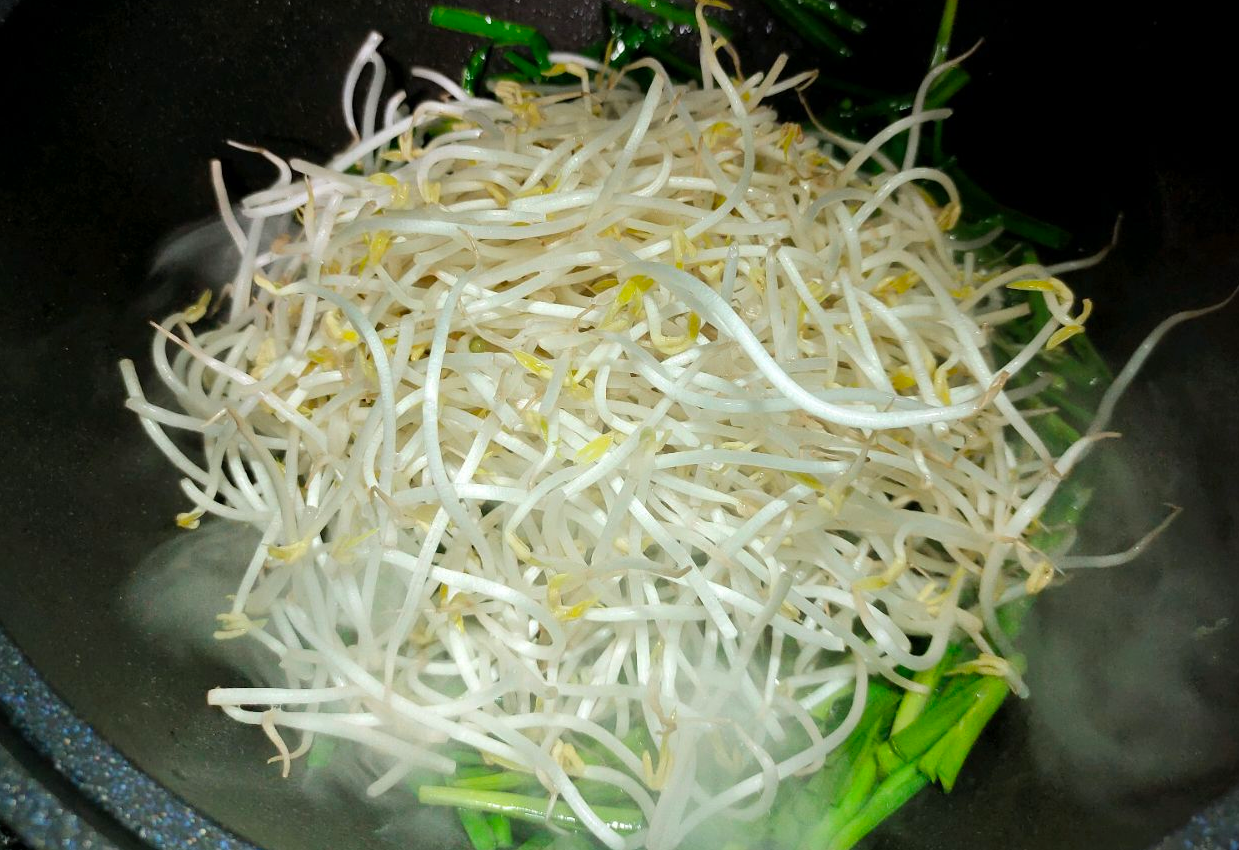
[[44, 822], [104, 776]]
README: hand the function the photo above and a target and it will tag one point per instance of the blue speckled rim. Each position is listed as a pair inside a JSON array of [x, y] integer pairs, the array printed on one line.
[[104, 777], [161, 820], [47, 823]]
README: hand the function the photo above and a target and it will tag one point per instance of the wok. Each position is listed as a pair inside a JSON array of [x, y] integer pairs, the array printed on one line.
[[110, 113]]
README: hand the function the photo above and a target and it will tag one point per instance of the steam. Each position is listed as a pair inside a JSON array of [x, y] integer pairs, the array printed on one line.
[[173, 598], [1133, 702]]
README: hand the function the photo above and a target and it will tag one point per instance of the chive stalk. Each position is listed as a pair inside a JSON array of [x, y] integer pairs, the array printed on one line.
[[477, 829], [525, 808]]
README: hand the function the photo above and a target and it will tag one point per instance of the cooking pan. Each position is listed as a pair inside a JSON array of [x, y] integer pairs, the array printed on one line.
[[111, 111]]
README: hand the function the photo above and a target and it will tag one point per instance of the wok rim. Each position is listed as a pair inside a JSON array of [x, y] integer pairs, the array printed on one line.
[[105, 789], [106, 782]]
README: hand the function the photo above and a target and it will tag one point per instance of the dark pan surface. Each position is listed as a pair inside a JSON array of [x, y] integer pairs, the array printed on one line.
[[111, 111]]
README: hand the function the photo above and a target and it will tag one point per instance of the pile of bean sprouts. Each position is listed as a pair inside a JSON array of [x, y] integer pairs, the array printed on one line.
[[593, 408]]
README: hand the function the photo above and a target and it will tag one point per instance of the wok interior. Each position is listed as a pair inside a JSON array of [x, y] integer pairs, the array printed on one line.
[[1132, 724]]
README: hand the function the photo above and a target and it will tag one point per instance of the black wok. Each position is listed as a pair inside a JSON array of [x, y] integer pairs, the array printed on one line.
[[110, 112]]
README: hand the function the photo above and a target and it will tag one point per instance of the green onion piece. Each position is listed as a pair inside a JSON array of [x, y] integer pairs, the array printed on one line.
[[677, 14], [808, 27], [895, 149], [507, 780], [481, 836], [521, 807], [1067, 506], [946, 87], [320, 751], [439, 126], [981, 202], [626, 36], [470, 771], [928, 763], [794, 808], [1054, 430], [910, 743], [858, 792], [1090, 358], [1030, 228], [832, 705], [503, 33], [838, 776], [841, 779], [502, 829], [523, 65], [1012, 615], [1086, 377], [836, 14], [960, 740], [887, 108], [672, 61], [465, 757], [972, 230], [894, 791], [942, 44], [936, 153], [1040, 310], [572, 841], [912, 704], [1080, 413], [476, 23], [538, 841], [863, 780], [888, 760], [474, 68]]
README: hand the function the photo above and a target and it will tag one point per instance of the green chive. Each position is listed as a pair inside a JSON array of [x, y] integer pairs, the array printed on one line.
[[521, 807], [481, 836]]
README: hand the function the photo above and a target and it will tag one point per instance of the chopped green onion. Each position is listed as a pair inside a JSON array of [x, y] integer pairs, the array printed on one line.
[[865, 777], [887, 108], [836, 13], [811, 30], [507, 780], [942, 44], [1066, 404], [521, 807], [502, 33], [673, 62], [1056, 432], [863, 780], [481, 836], [1032, 229], [895, 790], [501, 827], [538, 841], [572, 841], [911, 742], [957, 743], [912, 704], [888, 760], [523, 66], [321, 751], [474, 68], [946, 87], [677, 14]]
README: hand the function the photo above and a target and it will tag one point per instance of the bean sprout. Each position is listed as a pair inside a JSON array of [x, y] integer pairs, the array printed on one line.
[[605, 410]]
